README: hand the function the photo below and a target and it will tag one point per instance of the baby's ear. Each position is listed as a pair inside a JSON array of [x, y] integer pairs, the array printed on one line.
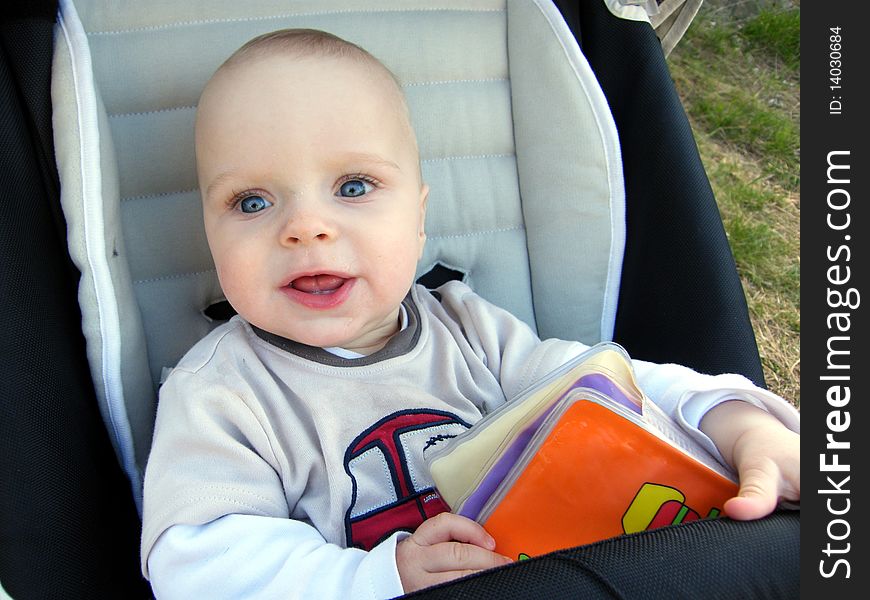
[[424, 200]]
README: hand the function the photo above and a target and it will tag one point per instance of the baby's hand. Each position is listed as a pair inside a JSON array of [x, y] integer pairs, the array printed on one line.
[[764, 452], [445, 547]]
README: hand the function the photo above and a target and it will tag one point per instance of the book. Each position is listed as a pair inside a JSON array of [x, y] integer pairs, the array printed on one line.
[[460, 467], [580, 456]]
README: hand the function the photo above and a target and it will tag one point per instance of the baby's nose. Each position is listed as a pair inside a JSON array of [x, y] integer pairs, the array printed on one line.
[[306, 228]]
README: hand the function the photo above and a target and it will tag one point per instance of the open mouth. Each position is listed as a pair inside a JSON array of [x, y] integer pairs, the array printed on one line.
[[318, 284], [321, 291]]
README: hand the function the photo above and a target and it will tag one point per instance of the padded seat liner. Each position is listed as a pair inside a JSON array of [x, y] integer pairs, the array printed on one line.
[[516, 143]]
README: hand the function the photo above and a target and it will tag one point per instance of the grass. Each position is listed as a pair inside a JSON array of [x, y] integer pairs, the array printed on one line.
[[776, 33], [738, 74]]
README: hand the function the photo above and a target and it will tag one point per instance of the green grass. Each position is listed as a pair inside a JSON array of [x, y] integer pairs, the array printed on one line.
[[743, 120], [739, 79], [776, 33], [742, 91]]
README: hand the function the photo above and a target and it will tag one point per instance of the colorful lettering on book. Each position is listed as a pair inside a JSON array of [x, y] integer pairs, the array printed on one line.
[[657, 505]]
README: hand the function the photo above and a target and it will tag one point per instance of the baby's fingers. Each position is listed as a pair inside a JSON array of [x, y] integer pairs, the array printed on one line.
[[450, 557], [759, 491], [768, 464], [442, 548], [447, 527]]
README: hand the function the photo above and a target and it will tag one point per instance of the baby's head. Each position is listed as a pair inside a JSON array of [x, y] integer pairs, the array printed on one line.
[[312, 195]]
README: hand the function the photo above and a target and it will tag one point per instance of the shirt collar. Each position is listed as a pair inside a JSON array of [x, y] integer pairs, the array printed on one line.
[[401, 342]]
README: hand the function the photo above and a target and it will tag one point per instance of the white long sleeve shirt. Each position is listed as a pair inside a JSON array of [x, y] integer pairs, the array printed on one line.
[[272, 460]]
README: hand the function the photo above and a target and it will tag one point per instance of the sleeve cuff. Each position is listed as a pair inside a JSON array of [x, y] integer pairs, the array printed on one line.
[[379, 568], [721, 388]]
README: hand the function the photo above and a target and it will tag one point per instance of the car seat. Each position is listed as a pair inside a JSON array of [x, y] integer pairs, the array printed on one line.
[[592, 223]]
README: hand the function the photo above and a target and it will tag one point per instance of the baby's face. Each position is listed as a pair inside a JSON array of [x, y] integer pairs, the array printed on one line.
[[312, 199]]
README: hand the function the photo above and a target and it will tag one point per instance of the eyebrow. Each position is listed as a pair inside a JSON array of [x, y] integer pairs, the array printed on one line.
[[218, 181], [370, 158], [362, 157]]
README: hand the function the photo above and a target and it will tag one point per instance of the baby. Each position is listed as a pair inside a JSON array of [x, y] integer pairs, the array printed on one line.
[[288, 452]]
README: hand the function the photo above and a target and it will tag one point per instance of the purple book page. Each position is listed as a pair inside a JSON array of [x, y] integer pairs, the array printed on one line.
[[477, 499], [606, 386], [496, 474]]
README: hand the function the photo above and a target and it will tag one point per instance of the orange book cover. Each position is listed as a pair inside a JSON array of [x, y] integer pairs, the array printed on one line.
[[597, 474]]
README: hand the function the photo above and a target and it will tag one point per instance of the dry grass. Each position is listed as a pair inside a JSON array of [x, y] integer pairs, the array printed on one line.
[[768, 262]]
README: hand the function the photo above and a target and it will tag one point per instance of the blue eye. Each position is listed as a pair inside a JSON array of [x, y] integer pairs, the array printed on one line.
[[253, 204], [353, 188]]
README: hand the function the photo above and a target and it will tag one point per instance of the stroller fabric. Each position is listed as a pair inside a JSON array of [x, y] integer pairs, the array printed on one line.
[[69, 527]]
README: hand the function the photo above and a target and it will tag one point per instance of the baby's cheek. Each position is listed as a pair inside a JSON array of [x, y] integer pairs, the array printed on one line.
[[401, 264], [234, 282], [225, 276]]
